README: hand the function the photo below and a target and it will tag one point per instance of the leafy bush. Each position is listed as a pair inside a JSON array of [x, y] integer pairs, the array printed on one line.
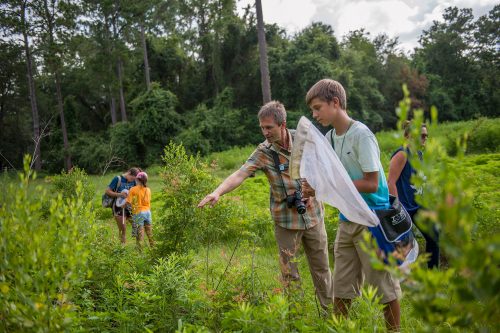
[[91, 152], [156, 121], [186, 182], [67, 183], [125, 144], [485, 138], [43, 260], [215, 129]]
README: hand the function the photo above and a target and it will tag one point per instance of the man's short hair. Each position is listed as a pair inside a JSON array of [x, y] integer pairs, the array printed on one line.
[[326, 90], [273, 109]]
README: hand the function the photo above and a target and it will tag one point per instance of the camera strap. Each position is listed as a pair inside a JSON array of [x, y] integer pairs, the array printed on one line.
[[279, 167]]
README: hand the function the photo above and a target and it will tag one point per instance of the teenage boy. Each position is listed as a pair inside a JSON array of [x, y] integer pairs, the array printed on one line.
[[291, 228], [357, 149]]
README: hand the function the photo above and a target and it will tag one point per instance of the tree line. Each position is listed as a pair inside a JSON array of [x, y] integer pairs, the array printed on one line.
[[107, 83]]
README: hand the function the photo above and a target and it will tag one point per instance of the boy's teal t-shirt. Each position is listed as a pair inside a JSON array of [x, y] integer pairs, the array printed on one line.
[[358, 152]]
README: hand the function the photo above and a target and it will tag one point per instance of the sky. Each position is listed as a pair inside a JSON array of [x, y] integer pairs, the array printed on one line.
[[405, 19]]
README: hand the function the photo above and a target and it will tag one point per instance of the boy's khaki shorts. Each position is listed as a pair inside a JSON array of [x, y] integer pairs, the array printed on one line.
[[352, 266]]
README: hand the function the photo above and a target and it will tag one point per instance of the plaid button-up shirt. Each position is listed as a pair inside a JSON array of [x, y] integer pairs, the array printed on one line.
[[289, 218]]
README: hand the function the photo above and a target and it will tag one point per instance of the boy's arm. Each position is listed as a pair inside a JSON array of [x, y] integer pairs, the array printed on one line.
[[367, 184], [369, 160]]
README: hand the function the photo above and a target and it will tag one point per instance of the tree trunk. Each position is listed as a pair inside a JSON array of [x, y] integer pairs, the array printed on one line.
[[146, 61], [120, 83], [264, 68], [119, 70], [67, 153], [54, 66], [112, 106], [31, 84]]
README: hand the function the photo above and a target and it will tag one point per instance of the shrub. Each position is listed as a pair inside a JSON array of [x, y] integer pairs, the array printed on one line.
[[186, 182], [125, 144], [215, 129], [66, 184], [44, 258], [156, 121], [90, 151], [485, 138]]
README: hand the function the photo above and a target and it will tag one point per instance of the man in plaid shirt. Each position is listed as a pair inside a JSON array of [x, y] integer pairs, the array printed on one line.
[[291, 228]]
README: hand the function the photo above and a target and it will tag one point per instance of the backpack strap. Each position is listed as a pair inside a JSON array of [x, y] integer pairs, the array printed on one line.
[[118, 183]]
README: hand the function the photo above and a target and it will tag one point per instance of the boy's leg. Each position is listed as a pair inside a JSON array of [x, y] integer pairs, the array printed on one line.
[[347, 275], [315, 242], [392, 315], [387, 286], [288, 244], [341, 306]]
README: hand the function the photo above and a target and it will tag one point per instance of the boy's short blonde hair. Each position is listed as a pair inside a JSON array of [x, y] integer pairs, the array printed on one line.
[[273, 109], [326, 90]]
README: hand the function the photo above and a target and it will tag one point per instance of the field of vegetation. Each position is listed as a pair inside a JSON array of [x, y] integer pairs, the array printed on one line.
[[62, 267]]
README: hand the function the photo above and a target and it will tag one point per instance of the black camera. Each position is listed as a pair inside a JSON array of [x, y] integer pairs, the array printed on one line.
[[296, 200]]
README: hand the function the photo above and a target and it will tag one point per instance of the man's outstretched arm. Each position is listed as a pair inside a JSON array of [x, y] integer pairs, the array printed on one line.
[[229, 184]]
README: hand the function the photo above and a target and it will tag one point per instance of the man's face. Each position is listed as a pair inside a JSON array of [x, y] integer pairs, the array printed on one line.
[[271, 130], [423, 136], [323, 112]]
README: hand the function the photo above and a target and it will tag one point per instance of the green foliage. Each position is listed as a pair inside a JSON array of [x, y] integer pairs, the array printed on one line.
[[128, 292], [125, 145], [44, 258], [464, 296], [214, 129], [229, 160], [483, 136], [92, 152], [68, 182], [272, 316], [186, 182], [279, 313], [156, 121], [451, 54], [204, 65]]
